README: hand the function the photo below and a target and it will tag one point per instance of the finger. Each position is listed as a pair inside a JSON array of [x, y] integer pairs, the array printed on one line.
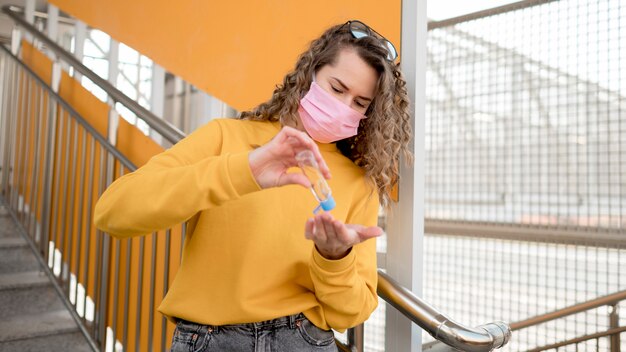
[[343, 233], [309, 227], [306, 142], [369, 232], [295, 178], [296, 136], [329, 227], [320, 231]]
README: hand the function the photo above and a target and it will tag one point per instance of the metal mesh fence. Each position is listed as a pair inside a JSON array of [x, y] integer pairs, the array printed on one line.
[[477, 280], [526, 134], [526, 117]]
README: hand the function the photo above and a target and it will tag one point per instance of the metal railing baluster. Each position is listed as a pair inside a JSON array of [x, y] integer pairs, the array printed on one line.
[[79, 237], [92, 152], [7, 126], [48, 168], [56, 186], [13, 163], [152, 279], [129, 248], [19, 176], [64, 196], [166, 272], [103, 251], [139, 295], [71, 204], [115, 291], [31, 120]]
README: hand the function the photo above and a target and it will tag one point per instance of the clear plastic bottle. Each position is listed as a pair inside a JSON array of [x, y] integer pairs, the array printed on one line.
[[319, 186]]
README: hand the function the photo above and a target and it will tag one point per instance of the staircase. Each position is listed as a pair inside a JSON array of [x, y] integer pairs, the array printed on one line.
[[32, 316]]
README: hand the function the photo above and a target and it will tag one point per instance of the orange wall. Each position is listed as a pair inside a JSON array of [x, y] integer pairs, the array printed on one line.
[[236, 50]]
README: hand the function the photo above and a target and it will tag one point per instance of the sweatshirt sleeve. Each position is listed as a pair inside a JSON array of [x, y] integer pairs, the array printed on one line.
[[346, 288], [173, 186]]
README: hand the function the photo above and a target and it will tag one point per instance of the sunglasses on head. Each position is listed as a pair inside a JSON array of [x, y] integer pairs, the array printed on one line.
[[359, 30]]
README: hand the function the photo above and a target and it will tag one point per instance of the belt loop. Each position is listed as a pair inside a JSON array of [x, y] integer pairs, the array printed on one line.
[[292, 321]]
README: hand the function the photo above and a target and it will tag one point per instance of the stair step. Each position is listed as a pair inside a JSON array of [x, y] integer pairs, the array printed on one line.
[[12, 242], [30, 300], [74, 342], [17, 259], [13, 281], [8, 228], [37, 325]]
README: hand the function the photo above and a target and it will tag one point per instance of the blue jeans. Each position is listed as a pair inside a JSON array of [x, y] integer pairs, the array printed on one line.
[[287, 334]]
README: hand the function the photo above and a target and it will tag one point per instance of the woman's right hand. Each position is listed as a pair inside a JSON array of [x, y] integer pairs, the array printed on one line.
[[270, 162]]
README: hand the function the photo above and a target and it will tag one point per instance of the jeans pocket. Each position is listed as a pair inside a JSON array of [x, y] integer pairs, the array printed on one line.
[[190, 337], [314, 335]]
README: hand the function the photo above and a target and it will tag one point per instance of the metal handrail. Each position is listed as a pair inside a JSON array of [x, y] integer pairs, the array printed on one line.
[[73, 113], [488, 12], [482, 338], [607, 300], [610, 332], [614, 329], [169, 132], [525, 232]]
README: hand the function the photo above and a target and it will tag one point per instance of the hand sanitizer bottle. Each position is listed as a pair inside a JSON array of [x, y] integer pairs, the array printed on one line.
[[319, 187]]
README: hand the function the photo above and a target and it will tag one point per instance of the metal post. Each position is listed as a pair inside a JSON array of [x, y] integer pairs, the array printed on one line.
[[7, 126], [16, 40], [177, 113], [406, 219], [113, 57], [356, 338], [157, 97], [79, 45], [29, 16], [614, 324], [186, 118], [52, 25]]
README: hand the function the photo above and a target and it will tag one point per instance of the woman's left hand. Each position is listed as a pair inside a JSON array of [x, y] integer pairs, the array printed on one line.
[[333, 238]]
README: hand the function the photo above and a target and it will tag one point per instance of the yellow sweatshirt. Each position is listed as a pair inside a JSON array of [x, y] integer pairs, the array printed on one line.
[[245, 258]]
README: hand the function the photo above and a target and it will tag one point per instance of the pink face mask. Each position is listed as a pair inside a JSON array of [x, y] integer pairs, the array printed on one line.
[[325, 118]]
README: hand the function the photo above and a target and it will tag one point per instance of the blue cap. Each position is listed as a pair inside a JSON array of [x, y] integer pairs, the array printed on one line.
[[326, 205]]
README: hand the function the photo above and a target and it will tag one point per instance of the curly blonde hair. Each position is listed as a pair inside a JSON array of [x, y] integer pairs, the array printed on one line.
[[382, 136]]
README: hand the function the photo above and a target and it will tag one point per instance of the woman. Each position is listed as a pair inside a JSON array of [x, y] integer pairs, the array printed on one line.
[[259, 271]]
